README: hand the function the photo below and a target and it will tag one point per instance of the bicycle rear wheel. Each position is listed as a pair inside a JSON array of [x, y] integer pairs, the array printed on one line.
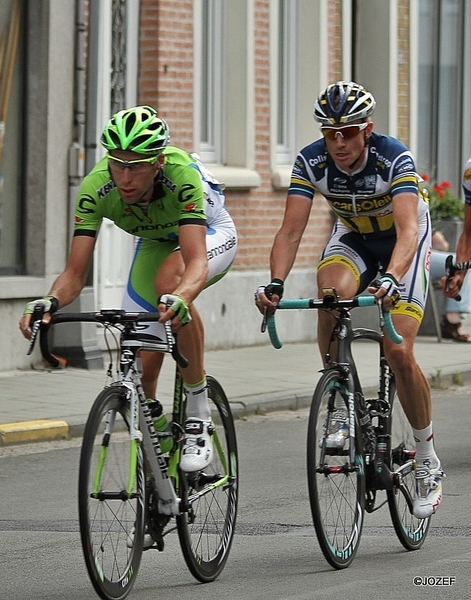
[[207, 529], [410, 530], [111, 497], [336, 487]]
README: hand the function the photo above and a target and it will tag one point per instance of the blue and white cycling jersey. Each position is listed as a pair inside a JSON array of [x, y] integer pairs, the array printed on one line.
[[467, 182], [362, 200]]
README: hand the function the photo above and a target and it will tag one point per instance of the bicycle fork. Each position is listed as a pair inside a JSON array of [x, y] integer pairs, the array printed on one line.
[[168, 502]]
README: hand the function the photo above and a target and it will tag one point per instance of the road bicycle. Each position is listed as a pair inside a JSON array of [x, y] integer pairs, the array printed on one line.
[[128, 487], [379, 451]]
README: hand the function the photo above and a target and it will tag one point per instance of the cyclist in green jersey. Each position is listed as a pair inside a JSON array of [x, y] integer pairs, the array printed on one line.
[[185, 241]]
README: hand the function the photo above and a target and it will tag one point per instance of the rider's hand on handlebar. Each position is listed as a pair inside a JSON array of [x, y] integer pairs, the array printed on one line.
[[387, 288], [46, 306], [174, 308], [452, 282], [268, 296], [451, 286]]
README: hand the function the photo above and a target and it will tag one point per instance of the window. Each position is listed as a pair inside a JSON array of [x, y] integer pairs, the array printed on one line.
[[286, 106], [298, 71], [223, 87], [212, 87], [440, 90]]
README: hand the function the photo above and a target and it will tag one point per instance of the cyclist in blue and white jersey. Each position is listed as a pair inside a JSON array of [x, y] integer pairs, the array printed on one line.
[[463, 249], [382, 228]]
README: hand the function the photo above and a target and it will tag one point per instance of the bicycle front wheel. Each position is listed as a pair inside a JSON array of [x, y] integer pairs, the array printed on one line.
[[111, 497], [206, 530], [336, 486], [410, 530]]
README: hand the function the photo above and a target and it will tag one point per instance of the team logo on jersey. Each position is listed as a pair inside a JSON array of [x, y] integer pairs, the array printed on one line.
[[79, 219], [370, 182], [106, 189], [168, 183], [467, 175], [224, 247], [404, 163], [361, 206], [191, 207], [318, 161]]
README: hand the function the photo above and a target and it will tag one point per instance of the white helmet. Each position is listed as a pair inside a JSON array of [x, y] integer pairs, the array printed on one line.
[[343, 102]]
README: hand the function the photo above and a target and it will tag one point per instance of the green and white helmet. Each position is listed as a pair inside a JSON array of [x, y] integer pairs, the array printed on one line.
[[136, 129], [343, 102]]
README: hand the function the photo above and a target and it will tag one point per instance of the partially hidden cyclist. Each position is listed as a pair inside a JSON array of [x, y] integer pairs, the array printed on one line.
[[463, 248], [185, 241], [382, 229]]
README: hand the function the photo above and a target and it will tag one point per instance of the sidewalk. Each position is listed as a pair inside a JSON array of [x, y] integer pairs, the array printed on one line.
[[42, 405]]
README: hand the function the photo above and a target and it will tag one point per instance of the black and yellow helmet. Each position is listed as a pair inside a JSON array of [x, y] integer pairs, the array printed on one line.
[[343, 102], [136, 129]]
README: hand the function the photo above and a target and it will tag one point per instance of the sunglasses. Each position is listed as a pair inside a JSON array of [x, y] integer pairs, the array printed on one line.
[[136, 166], [347, 132]]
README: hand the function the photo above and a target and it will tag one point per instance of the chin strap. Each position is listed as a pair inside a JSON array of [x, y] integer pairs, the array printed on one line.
[[354, 163]]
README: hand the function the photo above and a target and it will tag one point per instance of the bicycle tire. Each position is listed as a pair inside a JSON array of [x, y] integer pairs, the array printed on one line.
[[111, 522], [410, 530], [337, 496], [206, 531]]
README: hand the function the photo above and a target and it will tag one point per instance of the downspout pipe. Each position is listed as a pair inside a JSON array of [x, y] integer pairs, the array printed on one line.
[[77, 148], [80, 345]]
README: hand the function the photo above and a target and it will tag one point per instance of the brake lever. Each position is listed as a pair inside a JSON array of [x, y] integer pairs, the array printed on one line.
[[263, 327], [36, 318], [379, 302]]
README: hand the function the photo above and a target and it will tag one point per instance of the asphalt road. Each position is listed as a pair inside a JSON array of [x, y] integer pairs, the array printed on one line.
[[275, 553]]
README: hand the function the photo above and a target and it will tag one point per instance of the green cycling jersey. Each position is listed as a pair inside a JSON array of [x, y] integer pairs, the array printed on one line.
[[179, 198]]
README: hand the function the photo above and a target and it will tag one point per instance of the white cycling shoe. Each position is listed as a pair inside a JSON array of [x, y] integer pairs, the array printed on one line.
[[428, 486], [197, 451], [147, 543]]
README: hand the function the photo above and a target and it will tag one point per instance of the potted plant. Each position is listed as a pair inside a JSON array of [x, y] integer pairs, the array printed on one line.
[[446, 209]]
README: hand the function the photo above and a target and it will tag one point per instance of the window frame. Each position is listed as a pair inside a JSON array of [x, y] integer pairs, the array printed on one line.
[[310, 71], [231, 156]]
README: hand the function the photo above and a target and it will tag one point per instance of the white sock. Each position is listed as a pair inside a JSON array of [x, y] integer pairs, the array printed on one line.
[[424, 446], [197, 404]]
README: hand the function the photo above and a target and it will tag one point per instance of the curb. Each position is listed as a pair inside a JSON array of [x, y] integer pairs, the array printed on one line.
[[40, 430], [46, 430]]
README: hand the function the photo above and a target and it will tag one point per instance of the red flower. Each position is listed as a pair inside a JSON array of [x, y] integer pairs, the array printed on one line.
[[442, 187]]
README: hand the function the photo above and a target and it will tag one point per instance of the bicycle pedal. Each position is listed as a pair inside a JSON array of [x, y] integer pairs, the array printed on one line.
[[177, 431], [156, 545], [204, 478]]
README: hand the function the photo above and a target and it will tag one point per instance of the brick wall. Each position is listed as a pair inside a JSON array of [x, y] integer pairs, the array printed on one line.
[[335, 56], [165, 81]]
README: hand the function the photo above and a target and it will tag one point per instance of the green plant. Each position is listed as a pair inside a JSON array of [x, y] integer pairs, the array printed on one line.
[[444, 204], [436, 381]]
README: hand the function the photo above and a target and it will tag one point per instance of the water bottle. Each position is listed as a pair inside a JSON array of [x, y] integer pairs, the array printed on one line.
[[161, 425]]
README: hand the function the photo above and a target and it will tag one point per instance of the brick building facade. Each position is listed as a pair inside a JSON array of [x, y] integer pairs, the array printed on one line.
[[80, 60]]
